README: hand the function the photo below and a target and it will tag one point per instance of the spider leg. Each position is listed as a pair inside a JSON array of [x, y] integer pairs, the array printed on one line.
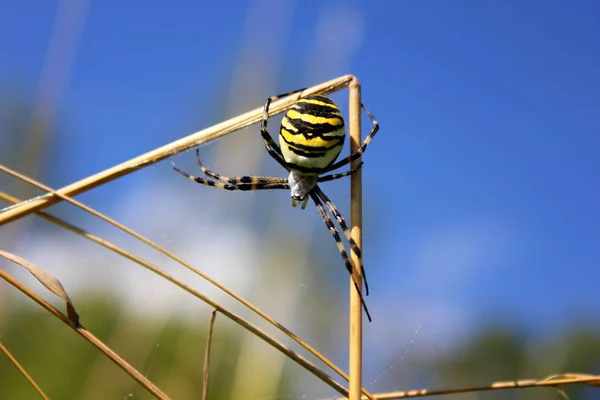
[[208, 172], [362, 148], [336, 213], [332, 177], [238, 179], [273, 148], [279, 96], [336, 235], [239, 183]]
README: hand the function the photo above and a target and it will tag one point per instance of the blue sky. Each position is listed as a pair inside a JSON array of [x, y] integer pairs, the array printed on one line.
[[481, 187]]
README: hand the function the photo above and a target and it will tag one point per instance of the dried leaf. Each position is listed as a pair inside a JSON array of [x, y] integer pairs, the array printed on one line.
[[46, 279]]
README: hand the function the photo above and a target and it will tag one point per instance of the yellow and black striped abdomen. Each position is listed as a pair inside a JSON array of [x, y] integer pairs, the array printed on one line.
[[312, 134]]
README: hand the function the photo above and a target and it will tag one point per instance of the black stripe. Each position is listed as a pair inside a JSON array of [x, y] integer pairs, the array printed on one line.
[[319, 98], [305, 170], [317, 110], [353, 245], [307, 154], [339, 140], [310, 129], [330, 226], [336, 235]]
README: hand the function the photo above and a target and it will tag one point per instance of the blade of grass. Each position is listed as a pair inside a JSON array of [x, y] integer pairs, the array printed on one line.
[[24, 372], [211, 325], [550, 381]]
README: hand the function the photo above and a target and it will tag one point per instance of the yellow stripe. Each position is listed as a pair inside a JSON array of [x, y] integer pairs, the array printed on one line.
[[319, 103], [311, 119], [316, 141], [286, 124]]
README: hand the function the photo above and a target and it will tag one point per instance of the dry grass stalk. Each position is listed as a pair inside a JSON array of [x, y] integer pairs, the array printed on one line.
[[555, 381], [23, 371], [211, 325], [355, 362]]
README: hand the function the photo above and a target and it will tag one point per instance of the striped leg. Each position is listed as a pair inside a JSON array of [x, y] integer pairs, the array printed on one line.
[[237, 179], [336, 213], [332, 177], [336, 235], [273, 148], [208, 172], [362, 148], [239, 183]]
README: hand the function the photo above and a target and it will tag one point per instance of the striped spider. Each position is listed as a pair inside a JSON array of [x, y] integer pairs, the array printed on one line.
[[311, 137]]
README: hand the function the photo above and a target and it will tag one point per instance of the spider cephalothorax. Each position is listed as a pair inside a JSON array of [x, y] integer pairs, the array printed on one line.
[[311, 138], [300, 186]]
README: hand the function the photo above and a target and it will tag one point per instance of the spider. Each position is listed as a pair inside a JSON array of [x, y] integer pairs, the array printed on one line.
[[311, 137]]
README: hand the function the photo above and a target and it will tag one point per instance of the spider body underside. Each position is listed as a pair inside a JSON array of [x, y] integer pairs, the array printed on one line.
[[311, 137], [300, 186]]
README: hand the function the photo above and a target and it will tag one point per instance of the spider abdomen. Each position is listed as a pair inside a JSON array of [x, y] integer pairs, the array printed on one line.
[[312, 135]]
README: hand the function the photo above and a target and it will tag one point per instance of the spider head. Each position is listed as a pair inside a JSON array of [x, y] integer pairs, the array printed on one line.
[[300, 186]]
